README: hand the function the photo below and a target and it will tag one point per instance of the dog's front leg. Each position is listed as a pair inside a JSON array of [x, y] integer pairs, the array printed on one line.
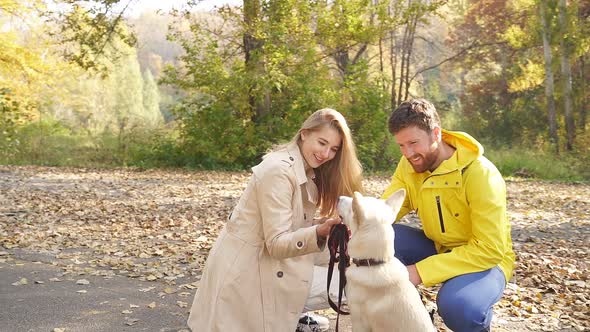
[[358, 318], [358, 323]]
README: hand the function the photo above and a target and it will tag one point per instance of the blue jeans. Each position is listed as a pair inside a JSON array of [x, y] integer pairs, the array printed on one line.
[[464, 302]]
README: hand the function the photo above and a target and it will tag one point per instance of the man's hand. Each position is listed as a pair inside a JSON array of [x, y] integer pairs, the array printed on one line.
[[414, 275], [323, 229]]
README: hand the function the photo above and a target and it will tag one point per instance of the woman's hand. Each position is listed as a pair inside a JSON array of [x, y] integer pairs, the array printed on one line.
[[325, 226]]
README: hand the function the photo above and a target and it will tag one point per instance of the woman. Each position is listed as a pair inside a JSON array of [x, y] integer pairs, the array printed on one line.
[[260, 270]]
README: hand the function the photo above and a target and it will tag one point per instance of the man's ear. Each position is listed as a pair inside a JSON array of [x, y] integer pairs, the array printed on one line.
[[437, 134]]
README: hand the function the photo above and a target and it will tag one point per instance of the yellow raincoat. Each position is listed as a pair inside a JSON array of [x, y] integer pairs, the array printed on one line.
[[462, 207]]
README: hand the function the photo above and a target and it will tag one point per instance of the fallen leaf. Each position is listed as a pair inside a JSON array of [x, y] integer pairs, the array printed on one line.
[[131, 321], [22, 281]]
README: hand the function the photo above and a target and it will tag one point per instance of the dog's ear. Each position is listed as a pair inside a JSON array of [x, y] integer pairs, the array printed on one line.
[[357, 209], [396, 200]]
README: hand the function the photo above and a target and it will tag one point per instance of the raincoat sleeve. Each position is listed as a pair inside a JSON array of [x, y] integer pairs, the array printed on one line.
[[486, 197], [275, 192], [398, 183]]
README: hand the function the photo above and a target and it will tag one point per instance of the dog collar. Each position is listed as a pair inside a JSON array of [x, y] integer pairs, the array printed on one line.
[[367, 262]]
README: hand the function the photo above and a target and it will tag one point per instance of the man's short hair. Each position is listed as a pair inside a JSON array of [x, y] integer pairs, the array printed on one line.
[[414, 112]]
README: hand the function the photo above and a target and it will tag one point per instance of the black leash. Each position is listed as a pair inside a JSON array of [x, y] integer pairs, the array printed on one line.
[[338, 245]]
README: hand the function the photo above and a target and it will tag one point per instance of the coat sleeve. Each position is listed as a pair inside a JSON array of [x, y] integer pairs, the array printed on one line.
[[486, 196], [274, 193], [397, 182]]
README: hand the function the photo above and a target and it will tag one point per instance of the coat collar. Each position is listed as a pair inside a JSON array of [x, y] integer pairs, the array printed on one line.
[[302, 177], [296, 158], [467, 149]]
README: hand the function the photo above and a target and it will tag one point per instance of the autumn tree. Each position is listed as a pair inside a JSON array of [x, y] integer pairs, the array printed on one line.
[[87, 28], [22, 69], [549, 82], [523, 42]]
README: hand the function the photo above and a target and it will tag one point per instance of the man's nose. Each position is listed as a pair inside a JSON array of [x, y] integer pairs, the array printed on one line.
[[408, 152]]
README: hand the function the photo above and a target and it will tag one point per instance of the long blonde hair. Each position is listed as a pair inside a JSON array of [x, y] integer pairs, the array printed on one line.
[[343, 174]]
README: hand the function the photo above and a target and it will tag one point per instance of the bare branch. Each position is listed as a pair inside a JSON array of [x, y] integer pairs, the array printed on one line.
[[474, 45]]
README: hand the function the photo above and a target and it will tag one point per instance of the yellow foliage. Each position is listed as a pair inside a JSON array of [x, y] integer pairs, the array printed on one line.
[[521, 5], [531, 76], [21, 69], [27, 68], [9, 5], [515, 36]]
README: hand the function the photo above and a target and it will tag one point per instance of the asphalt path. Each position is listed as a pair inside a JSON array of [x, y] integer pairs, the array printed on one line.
[[36, 295]]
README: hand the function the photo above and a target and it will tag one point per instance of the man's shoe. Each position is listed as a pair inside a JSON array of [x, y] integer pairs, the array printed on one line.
[[310, 322]]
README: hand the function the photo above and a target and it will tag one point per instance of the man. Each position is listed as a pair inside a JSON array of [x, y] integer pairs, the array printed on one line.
[[460, 198]]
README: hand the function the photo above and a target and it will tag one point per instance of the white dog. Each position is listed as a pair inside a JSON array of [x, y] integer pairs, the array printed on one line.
[[379, 292]]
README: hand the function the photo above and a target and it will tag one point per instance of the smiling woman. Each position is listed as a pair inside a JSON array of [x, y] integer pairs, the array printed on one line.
[[260, 274], [320, 146]]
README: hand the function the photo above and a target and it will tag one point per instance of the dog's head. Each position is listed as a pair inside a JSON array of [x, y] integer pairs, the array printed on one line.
[[369, 219], [358, 209]]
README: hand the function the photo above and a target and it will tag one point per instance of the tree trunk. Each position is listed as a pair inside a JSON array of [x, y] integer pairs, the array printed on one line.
[[549, 86], [342, 58], [410, 48], [258, 96], [403, 63], [393, 49], [585, 102], [567, 78], [382, 66]]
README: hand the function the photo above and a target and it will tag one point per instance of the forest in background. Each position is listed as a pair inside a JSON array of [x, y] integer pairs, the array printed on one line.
[[83, 83]]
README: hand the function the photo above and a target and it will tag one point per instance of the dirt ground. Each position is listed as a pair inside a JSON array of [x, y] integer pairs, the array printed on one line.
[[146, 234]]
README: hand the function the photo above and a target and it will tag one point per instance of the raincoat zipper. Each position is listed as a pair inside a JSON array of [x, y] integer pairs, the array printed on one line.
[[440, 215]]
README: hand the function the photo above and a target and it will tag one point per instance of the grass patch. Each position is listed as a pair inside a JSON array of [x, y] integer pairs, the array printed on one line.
[[49, 143], [539, 164]]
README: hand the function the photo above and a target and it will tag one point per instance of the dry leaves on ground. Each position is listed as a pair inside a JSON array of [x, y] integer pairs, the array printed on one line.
[[160, 225]]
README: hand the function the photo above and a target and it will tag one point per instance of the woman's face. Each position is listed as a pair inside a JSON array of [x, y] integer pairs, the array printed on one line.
[[320, 146]]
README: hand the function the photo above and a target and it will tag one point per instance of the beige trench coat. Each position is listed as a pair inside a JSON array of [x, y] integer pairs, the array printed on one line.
[[259, 271]]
